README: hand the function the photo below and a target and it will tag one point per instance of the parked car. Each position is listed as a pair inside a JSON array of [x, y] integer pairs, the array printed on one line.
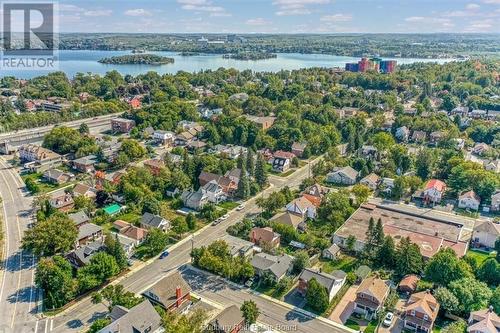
[[219, 220], [164, 254], [225, 216], [388, 319], [240, 207]]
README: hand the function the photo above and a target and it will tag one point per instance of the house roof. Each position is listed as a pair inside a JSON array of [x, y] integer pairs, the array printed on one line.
[[435, 184], [212, 187], [469, 195], [79, 217], [120, 224], [263, 234], [88, 229], [288, 219], [227, 319], [134, 232], [141, 318], [283, 154], [372, 178], [85, 253], [86, 160], [165, 289], [278, 265], [302, 203], [299, 146], [152, 220], [375, 287], [82, 189], [317, 190], [333, 249], [154, 163], [237, 245], [485, 320], [326, 280], [409, 282], [424, 302], [489, 227]]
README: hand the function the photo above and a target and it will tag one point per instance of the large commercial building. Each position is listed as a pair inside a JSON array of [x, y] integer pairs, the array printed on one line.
[[373, 64]]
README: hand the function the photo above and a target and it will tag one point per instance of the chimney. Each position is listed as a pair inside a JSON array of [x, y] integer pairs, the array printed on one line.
[[178, 296]]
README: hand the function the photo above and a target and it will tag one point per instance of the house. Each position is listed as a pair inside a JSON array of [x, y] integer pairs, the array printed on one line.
[[433, 191], [149, 221], [172, 293], [194, 199], [304, 207], [263, 123], [213, 192], [332, 252], [317, 191], [274, 266], [483, 321], [138, 235], [370, 296], [492, 165], [369, 152], [120, 225], [485, 233], [122, 125], [371, 181], [209, 113], [63, 203], [154, 166], [343, 149], [79, 218], [182, 139], [230, 320], [387, 185], [332, 282], [495, 201], [82, 255], [56, 176], [480, 148], [141, 318], [239, 97], [402, 134], [408, 284], [435, 137], [469, 200], [298, 149], [264, 236], [281, 164], [287, 218], [418, 136], [37, 158], [195, 145], [238, 247], [234, 175], [128, 244], [88, 232], [85, 164], [165, 138], [421, 312], [85, 190], [229, 186], [343, 175]]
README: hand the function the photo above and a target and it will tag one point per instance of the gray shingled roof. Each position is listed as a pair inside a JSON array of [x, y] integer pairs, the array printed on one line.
[[324, 279], [141, 318], [151, 220], [278, 265], [79, 217]]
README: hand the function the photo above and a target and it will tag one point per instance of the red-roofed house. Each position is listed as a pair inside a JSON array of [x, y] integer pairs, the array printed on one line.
[[434, 190], [266, 235], [421, 311]]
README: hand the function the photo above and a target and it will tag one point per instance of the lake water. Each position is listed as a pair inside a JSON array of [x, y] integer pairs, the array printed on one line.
[[72, 62]]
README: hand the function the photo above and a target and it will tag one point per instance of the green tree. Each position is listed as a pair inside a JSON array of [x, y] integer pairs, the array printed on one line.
[[444, 267], [473, 295], [351, 243], [387, 252], [408, 258], [250, 312], [300, 261], [32, 186], [495, 300], [84, 129], [243, 191], [424, 164], [99, 324], [54, 235], [489, 272], [260, 171], [250, 163], [459, 326], [54, 277], [316, 296], [191, 221], [361, 192], [447, 300], [179, 225], [114, 248], [155, 242], [113, 295]]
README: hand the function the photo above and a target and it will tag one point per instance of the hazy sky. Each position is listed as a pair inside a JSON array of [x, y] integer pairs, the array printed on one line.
[[279, 16]]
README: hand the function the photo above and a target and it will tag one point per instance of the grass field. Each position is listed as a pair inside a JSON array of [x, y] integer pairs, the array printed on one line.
[[229, 205], [479, 256], [352, 324], [345, 263]]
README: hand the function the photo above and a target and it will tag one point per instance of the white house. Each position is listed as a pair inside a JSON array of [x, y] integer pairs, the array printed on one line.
[[469, 200], [345, 176], [332, 282], [493, 165], [480, 148], [485, 233], [164, 137], [434, 190], [495, 201], [303, 207], [213, 192], [402, 133]]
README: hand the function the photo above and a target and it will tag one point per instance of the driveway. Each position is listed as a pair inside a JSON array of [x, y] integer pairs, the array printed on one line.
[[295, 298], [396, 327], [345, 308]]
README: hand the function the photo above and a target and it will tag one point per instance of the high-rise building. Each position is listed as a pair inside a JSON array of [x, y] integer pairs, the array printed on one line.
[[373, 64], [388, 66], [352, 67], [365, 65]]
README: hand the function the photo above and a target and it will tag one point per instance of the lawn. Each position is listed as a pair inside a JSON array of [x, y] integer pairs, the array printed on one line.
[[352, 324], [283, 174], [228, 205], [42, 185], [345, 263], [129, 217], [479, 256], [372, 326]]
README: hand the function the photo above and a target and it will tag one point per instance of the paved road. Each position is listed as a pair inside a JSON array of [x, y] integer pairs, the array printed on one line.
[[276, 316], [84, 313], [18, 295]]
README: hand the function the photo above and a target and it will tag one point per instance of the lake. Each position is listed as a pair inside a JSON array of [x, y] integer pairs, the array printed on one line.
[[75, 61]]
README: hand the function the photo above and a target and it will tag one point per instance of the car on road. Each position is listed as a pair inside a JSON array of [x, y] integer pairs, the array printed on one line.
[[389, 317], [225, 216], [219, 220], [164, 254], [240, 207]]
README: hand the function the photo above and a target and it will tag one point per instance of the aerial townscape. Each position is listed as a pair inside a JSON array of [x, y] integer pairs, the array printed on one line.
[[254, 180]]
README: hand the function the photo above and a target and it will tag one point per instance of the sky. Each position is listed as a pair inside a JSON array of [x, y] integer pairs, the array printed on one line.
[[279, 16]]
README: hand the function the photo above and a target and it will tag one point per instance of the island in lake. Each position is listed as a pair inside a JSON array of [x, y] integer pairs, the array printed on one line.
[[137, 59], [253, 55]]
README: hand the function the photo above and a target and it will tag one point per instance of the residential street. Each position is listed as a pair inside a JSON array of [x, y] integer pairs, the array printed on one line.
[[18, 295]]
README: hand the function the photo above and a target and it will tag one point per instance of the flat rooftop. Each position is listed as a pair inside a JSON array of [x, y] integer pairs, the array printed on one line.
[[429, 229]]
